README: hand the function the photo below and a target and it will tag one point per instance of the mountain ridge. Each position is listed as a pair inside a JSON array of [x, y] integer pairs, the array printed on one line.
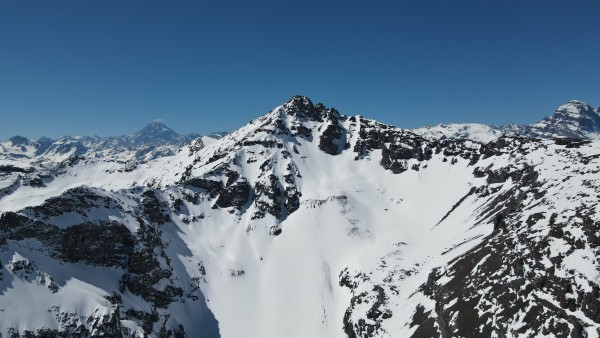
[[575, 119], [142, 143]]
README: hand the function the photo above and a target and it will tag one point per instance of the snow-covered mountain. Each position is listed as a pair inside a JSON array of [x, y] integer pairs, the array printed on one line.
[[472, 131], [153, 141], [310, 223], [574, 119], [35, 163]]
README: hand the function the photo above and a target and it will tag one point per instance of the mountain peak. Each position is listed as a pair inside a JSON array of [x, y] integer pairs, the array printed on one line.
[[575, 108], [153, 131], [299, 101], [574, 111], [19, 140], [302, 106], [575, 119], [155, 127]]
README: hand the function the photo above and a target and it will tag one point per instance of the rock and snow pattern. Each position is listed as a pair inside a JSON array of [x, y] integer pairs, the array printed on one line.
[[307, 223]]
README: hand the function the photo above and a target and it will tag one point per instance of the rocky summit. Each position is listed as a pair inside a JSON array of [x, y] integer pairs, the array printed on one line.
[[305, 223]]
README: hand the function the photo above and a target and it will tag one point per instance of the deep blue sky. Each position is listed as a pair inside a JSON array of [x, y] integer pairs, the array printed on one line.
[[109, 67]]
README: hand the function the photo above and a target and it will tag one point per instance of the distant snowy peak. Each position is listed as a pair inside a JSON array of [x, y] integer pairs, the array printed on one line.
[[574, 119], [575, 109], [153, 141], [17, 141], [158, 132], [157, 129]]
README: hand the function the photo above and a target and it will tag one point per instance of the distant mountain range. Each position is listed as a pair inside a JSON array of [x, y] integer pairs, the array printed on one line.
[[305, 223], [153, 141], [574, 119]]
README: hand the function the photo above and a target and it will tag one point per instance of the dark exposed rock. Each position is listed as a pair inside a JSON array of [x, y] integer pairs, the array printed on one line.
[[491, 274], [146, 318], [333, 139], [78, 200], [212, 187], [104, 244], [373, 302], [301, 131], [153, 208], [302, 106], [145, 270], [14, 226], [235, 195], [394, 156], [292, 199], [14, 169], [570, 143], [274, 199], [264, 143]]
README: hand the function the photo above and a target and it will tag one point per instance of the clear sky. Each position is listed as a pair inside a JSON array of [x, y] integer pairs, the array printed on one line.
[[109, 67]]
